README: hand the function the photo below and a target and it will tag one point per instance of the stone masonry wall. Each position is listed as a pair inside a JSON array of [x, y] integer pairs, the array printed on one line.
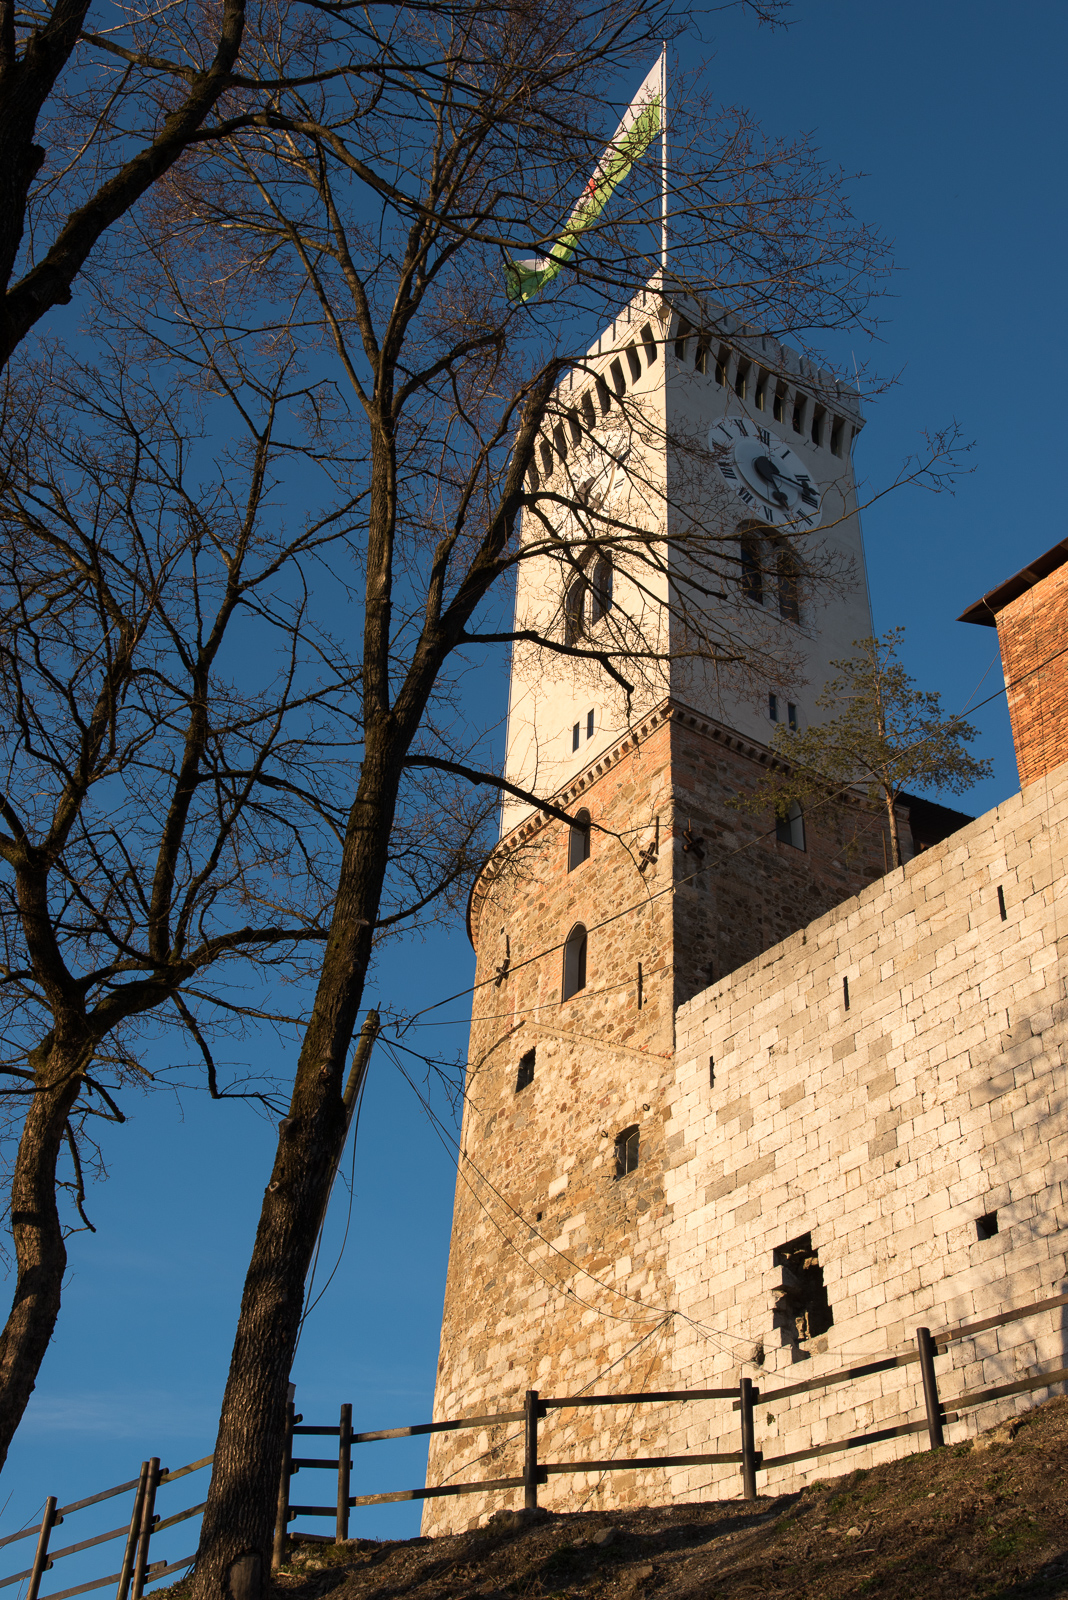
[[886, 1131], [557, 1269], [1031, 632]]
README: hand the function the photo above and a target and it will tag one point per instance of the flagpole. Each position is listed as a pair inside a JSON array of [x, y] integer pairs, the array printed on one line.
[[663, 168]]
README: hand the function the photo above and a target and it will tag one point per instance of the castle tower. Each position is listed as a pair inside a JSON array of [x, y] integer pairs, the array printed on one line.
[[588, 941]]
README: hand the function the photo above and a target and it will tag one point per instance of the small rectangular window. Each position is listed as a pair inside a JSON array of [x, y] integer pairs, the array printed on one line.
[[589, 724], [525, 1075], [817, 425], [626, 1151], [619, 383], [575, 736], [778, 409], [711, 1072], [799, 415], [575, 425], [845, 993], [700, 360], [986, 1227], [741, 381], [587, 409], [723, 361], [773, 707], [836, 438], [634, 362], [760, 397], [791, 716], [649, 344], [560, 441], [546, 459], [802, 1310], [684, 330], [604, 399]]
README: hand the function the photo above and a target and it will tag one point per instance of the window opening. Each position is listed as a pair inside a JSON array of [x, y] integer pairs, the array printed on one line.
[[649, 342], [1001, 904], [681, 336], [741, 381], [589, 723], [619, 383], [533, 479], [546, 458], [779, 406], [587, 409], [560, 441], [634, 362], [817, 425], [791, 716], [760, 397], [752, 577], [575, 425], [799, 415], [575, 736], [773, 707], [601, 595], [986, 1227], [802, 1310], [711, 1072], [791, 828], [626, 1151], [845, 993], [700, 360], [789, 600], [723, 361], [578, 841], [836, 438], [574, 609], [574, 962], [525, 1075], [603, 396]]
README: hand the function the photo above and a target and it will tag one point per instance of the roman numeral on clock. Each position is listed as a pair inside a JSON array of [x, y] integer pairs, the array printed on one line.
[[728, 472], [764, 436]]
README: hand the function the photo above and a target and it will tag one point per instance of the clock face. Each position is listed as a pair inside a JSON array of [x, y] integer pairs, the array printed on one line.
[[764, 473]]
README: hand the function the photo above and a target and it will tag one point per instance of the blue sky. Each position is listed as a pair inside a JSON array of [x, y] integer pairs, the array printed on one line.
[[954, 113]]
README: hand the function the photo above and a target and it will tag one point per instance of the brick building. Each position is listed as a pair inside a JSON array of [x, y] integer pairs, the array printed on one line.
[[702, 1040]]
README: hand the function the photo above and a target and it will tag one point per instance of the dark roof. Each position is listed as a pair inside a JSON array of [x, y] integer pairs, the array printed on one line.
[[985, 610], [931, 822]]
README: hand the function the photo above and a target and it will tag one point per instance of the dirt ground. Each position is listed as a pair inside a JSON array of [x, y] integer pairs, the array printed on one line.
[[975, 1520]]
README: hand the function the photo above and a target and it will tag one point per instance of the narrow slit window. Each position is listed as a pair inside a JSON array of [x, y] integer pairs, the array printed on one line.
[[525, 1075], [779, 406], [533, 478], [546, 458], [791, 716], [751, 575], [601, 589], [987, 1226], [604, 399], [799, 416], [575, 425], [773, 707], [634, 362], [700, 360], [587, 409], [578, 841], [560, 441], [589, 723], [619, 383], [723, 362], [626, 1151], [836, 438], [845, 993], [760, 396], [1001, 904], [574, 962], [791, 828], [574, 610], [576, 736], [681, 336], [741, 381], [649, 345], [817, 425], [787, 576]]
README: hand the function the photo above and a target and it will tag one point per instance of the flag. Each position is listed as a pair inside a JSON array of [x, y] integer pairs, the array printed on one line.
[[642, 121]]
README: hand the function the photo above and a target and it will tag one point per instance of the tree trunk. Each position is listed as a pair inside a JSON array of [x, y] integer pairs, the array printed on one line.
[[40, 1253], [233, 1560], [895, 841]]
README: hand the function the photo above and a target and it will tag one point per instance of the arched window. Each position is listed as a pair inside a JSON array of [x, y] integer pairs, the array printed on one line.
[[751, 577], [787, 576], [626, 1151], [601, 589], [574, 962], [578, 841], [574, 610], [791, 828]]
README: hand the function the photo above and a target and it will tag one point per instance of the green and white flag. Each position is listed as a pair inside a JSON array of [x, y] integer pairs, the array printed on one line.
[[642, 121]]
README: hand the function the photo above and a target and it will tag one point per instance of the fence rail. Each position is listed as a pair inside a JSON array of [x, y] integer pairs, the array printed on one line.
[[144, 1522]]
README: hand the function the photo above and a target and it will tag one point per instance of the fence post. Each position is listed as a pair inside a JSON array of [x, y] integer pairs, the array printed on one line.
[[344, 1463], [928, 1349], [134, 1534], [41, 1562], [530, 1451], [278, 1554], [749, 1457], [148, 1509]]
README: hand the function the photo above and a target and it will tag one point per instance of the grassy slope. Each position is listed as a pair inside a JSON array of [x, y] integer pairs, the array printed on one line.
[[986, 1521]]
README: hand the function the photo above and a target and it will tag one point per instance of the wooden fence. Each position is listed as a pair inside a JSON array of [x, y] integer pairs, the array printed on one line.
[[144, 1521]]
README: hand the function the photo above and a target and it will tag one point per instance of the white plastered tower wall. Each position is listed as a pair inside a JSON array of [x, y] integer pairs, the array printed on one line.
[[679, 370]]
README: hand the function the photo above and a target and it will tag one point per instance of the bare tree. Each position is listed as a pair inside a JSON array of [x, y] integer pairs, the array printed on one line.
[[485, 445], [176, 729]]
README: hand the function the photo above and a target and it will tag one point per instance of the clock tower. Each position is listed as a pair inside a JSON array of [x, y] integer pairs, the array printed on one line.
[[561, 1273]]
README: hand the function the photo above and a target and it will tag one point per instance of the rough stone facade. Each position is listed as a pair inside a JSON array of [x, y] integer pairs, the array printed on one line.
[[554, 1258], [886, 1132]]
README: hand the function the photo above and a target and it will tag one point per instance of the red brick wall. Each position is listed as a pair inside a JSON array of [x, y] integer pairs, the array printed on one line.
[[1031, 629]]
